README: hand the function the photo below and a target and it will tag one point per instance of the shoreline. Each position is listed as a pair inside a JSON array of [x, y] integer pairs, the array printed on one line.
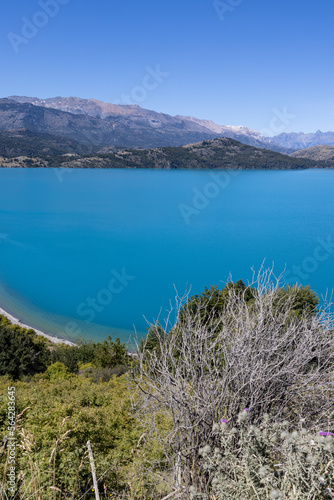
[[52, 338]]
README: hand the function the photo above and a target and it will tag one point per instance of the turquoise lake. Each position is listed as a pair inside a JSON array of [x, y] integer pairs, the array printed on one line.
[[87, 253]]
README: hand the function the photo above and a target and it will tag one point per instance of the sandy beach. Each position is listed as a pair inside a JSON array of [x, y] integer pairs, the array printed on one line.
[[16, 321]]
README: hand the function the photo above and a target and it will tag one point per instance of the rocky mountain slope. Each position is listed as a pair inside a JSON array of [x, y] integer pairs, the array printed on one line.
[[239, 133], [137, 120], [119, 130]]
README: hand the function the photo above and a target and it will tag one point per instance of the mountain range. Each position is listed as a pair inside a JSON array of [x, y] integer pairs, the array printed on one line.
[[139, 119], [34, 127], [144, 120], [100, 126]]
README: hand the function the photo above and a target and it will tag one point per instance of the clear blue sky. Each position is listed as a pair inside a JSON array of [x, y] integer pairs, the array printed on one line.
[[235, 68]]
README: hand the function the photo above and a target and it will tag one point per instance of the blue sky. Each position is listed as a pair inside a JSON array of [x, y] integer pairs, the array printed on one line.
[[243, 65]]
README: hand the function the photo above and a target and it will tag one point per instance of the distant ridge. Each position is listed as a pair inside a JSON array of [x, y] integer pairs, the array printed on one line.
[[130, 129], [98, 124], [134, 126], [299, 140]]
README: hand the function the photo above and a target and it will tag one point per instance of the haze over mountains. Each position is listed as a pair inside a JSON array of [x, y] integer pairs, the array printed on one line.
[[33, 124]]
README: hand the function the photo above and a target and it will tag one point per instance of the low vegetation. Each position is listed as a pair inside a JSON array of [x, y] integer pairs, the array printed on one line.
[[233, 399]]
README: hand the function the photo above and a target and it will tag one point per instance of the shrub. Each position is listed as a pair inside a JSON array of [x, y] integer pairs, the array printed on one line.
[[58, 371], [254, 352], [21, 351], [268, 461], [55, 419]]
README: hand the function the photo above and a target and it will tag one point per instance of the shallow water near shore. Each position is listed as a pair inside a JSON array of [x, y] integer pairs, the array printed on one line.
[[85, 253]]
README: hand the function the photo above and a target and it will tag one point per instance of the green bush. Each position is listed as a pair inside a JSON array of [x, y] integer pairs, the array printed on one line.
[[55, 420], [58, 371], [21, 351]]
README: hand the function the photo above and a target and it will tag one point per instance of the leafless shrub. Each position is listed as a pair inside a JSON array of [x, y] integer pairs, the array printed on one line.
[[250, 354]]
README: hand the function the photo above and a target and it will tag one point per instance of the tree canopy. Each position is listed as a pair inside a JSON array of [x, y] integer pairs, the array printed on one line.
[[21, 352]]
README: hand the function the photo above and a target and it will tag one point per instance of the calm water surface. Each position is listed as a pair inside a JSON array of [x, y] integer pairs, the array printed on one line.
[[85, 253]]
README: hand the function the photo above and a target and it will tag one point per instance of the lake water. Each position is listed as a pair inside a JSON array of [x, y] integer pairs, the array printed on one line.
[[85, 253]]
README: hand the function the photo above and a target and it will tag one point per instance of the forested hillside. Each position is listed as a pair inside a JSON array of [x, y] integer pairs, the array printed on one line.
[[219, 153]]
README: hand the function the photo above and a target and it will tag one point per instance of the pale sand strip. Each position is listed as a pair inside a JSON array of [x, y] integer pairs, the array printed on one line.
[[16, 321]]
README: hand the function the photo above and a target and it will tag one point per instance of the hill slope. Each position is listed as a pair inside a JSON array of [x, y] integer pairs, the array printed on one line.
[[317, 153], [220, 153]]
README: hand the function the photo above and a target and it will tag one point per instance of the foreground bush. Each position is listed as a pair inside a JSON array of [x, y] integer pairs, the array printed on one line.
[[257, 347]]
